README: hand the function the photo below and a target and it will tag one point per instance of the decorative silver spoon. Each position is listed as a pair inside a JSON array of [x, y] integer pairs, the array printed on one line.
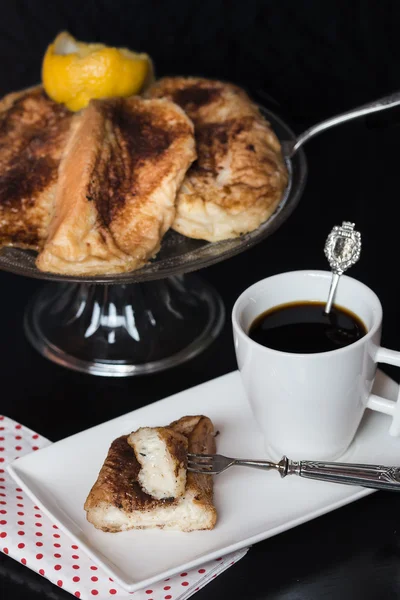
[[342, 249]]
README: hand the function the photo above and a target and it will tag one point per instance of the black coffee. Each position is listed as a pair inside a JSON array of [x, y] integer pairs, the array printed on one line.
[[304, 328]]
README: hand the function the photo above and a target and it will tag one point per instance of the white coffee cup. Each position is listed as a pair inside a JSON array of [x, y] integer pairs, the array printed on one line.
[[309, 406]]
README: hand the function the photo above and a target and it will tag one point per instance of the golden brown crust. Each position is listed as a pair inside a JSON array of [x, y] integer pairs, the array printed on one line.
[[117, 483], [240, 175], [202, 441], [117, 186], [33, 134]]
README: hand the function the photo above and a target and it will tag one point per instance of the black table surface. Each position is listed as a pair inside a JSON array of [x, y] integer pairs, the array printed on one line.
[[352, 553]]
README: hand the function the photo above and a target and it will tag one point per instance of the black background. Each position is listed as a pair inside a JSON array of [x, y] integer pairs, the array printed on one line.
[[307, 60]]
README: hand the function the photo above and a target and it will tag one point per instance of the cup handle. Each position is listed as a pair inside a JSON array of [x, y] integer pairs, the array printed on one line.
[[383, 405]]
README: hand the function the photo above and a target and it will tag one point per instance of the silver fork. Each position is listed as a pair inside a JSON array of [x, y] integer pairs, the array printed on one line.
[[371, 476]]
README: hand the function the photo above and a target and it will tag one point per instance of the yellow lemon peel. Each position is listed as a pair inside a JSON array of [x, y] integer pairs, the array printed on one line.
[[75, 72]]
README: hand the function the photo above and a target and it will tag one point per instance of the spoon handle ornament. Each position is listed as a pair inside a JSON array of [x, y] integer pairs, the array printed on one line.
[[342, 249]]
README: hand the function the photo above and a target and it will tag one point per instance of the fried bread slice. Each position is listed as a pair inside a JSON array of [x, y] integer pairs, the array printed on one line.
[[117, 502], [117, 187], [240, 176], [33, 134]]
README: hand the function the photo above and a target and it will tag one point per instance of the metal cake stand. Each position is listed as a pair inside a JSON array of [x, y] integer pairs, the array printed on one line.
[[150, 319]]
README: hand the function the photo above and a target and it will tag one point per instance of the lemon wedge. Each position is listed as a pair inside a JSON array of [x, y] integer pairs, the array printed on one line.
[[75, 72]]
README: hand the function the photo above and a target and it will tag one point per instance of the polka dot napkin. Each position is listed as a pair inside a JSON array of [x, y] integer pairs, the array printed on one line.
[[27, 535]]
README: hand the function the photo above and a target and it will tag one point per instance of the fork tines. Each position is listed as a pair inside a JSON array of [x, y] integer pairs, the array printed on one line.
[[200, 463]]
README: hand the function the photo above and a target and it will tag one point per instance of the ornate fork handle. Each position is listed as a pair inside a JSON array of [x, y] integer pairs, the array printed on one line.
[[371, 476]]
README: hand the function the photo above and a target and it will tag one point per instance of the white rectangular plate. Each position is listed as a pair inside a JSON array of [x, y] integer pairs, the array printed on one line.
[[252, 505]]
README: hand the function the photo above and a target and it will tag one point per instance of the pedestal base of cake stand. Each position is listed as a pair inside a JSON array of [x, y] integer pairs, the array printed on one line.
[[127, 329]]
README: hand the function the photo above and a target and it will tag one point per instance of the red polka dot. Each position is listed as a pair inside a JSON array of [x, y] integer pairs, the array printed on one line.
[[57, 567], [149, 591], [77, 594], [185, 583], [3, 503], [21, 522], [5, 550], [36, 508], [75, 567], [21, 532], [39, 544], [19, 497], [94, 578], [18, 448], [214, 576], [3, 522], [21, 546], [75, 556], [167, 587], [35, 448], [57, 545], [59, 583], [93, 568], [183, 574], [94, 592], [57, 556], [74, 547], [18, 426], [20, 505], [197, 589], [38, 516], [39, 534], [20, 513], [18, 437], [35, 436], [76, 579], [202, 570], [23, 560], [219, 558], [41, 571], [55, 527], [1, 459], [112, 591], [3, 512], [39, 556], [38, 524], [56, 535], [167, 597]]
